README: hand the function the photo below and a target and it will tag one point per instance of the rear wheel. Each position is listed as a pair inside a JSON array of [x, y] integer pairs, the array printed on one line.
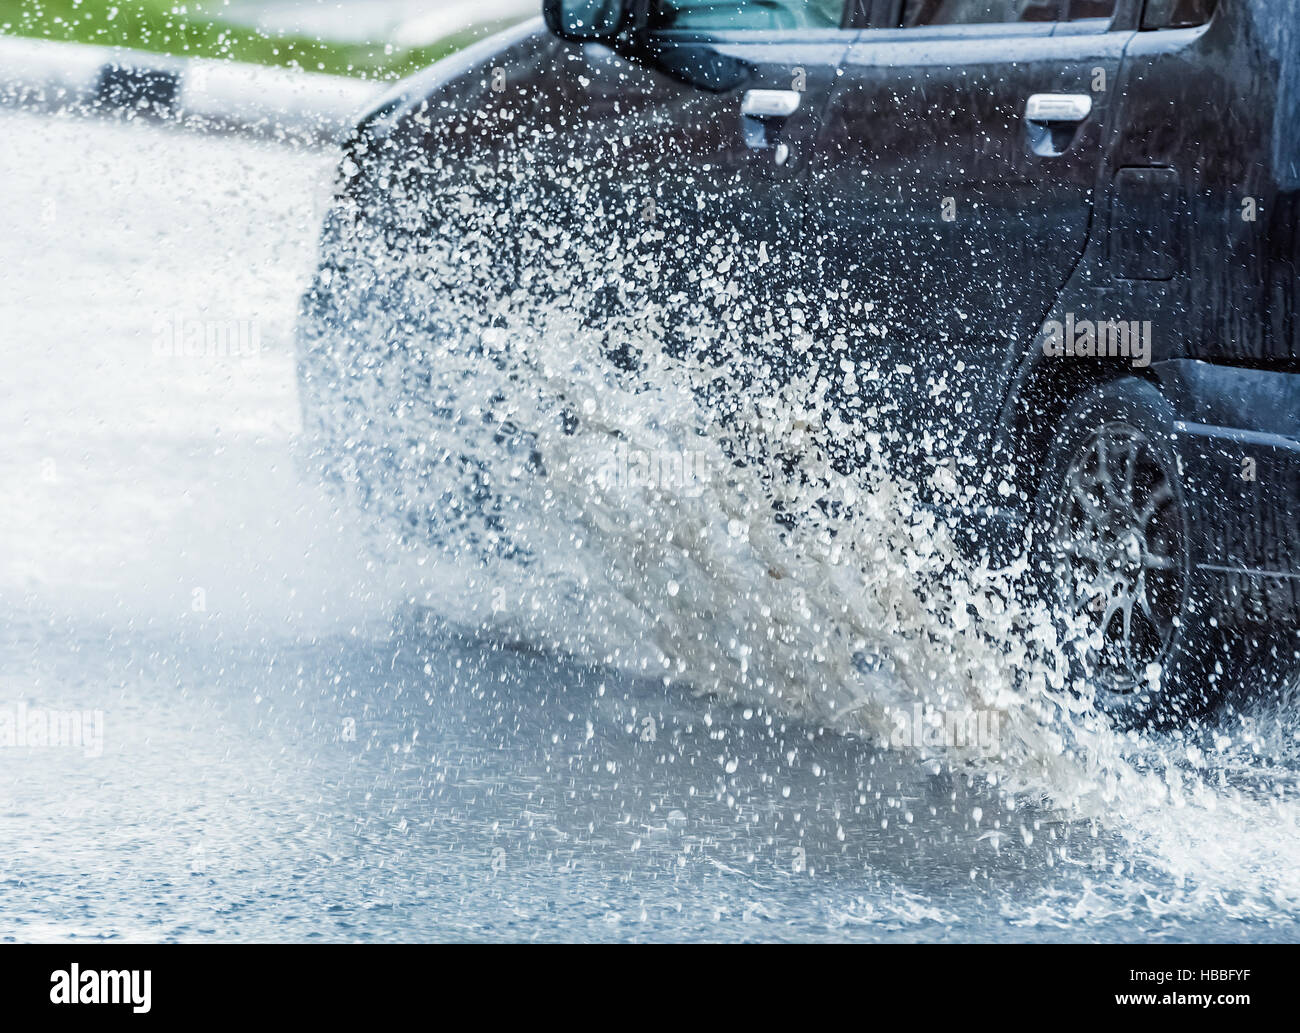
[[1111, 547]]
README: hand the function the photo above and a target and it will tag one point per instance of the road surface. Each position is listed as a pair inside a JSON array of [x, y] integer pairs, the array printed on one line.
[[276, 746]]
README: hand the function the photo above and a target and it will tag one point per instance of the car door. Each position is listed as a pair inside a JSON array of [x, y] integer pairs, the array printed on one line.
[[749, 82], [688, 144], [953, 190]]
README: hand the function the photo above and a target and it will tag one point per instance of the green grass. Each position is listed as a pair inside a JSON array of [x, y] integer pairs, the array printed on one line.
[[188, 30]]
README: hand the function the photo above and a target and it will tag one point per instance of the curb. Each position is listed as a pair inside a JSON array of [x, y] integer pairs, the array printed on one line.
[[202, 93]]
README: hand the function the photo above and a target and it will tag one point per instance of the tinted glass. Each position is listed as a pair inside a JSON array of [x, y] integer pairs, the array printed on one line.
[[1175, 14], [978, 12], [755, 14], [1078, 10]]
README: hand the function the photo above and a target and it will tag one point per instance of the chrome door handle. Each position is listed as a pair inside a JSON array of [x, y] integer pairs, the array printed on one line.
[[1058, 107], [769, 103]]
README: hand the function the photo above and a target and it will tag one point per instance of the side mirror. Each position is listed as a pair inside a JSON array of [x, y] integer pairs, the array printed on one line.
[[584, 21]]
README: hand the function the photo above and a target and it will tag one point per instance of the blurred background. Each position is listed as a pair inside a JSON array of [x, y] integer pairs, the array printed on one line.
[[363, 38]]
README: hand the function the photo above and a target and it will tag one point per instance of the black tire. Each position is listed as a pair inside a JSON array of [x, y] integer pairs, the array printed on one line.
[[1111, 535]]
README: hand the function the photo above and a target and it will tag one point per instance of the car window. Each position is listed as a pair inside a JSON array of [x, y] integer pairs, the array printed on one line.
[[1079, 10], [750, 14], [1177, 14], [978, 12]]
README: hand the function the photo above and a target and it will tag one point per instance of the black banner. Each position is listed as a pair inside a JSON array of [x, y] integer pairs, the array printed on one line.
[[87, 984]]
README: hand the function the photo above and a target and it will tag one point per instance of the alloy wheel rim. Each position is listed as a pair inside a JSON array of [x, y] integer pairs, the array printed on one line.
[[1119, 542]]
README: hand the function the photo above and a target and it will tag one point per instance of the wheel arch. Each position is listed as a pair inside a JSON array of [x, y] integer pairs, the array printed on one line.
[[1043, 391]]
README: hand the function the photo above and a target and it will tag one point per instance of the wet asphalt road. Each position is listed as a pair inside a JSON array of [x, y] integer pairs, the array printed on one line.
[[289, 753]]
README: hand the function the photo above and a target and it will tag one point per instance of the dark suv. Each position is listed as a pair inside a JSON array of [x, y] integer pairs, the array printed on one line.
[[1077, 221]]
